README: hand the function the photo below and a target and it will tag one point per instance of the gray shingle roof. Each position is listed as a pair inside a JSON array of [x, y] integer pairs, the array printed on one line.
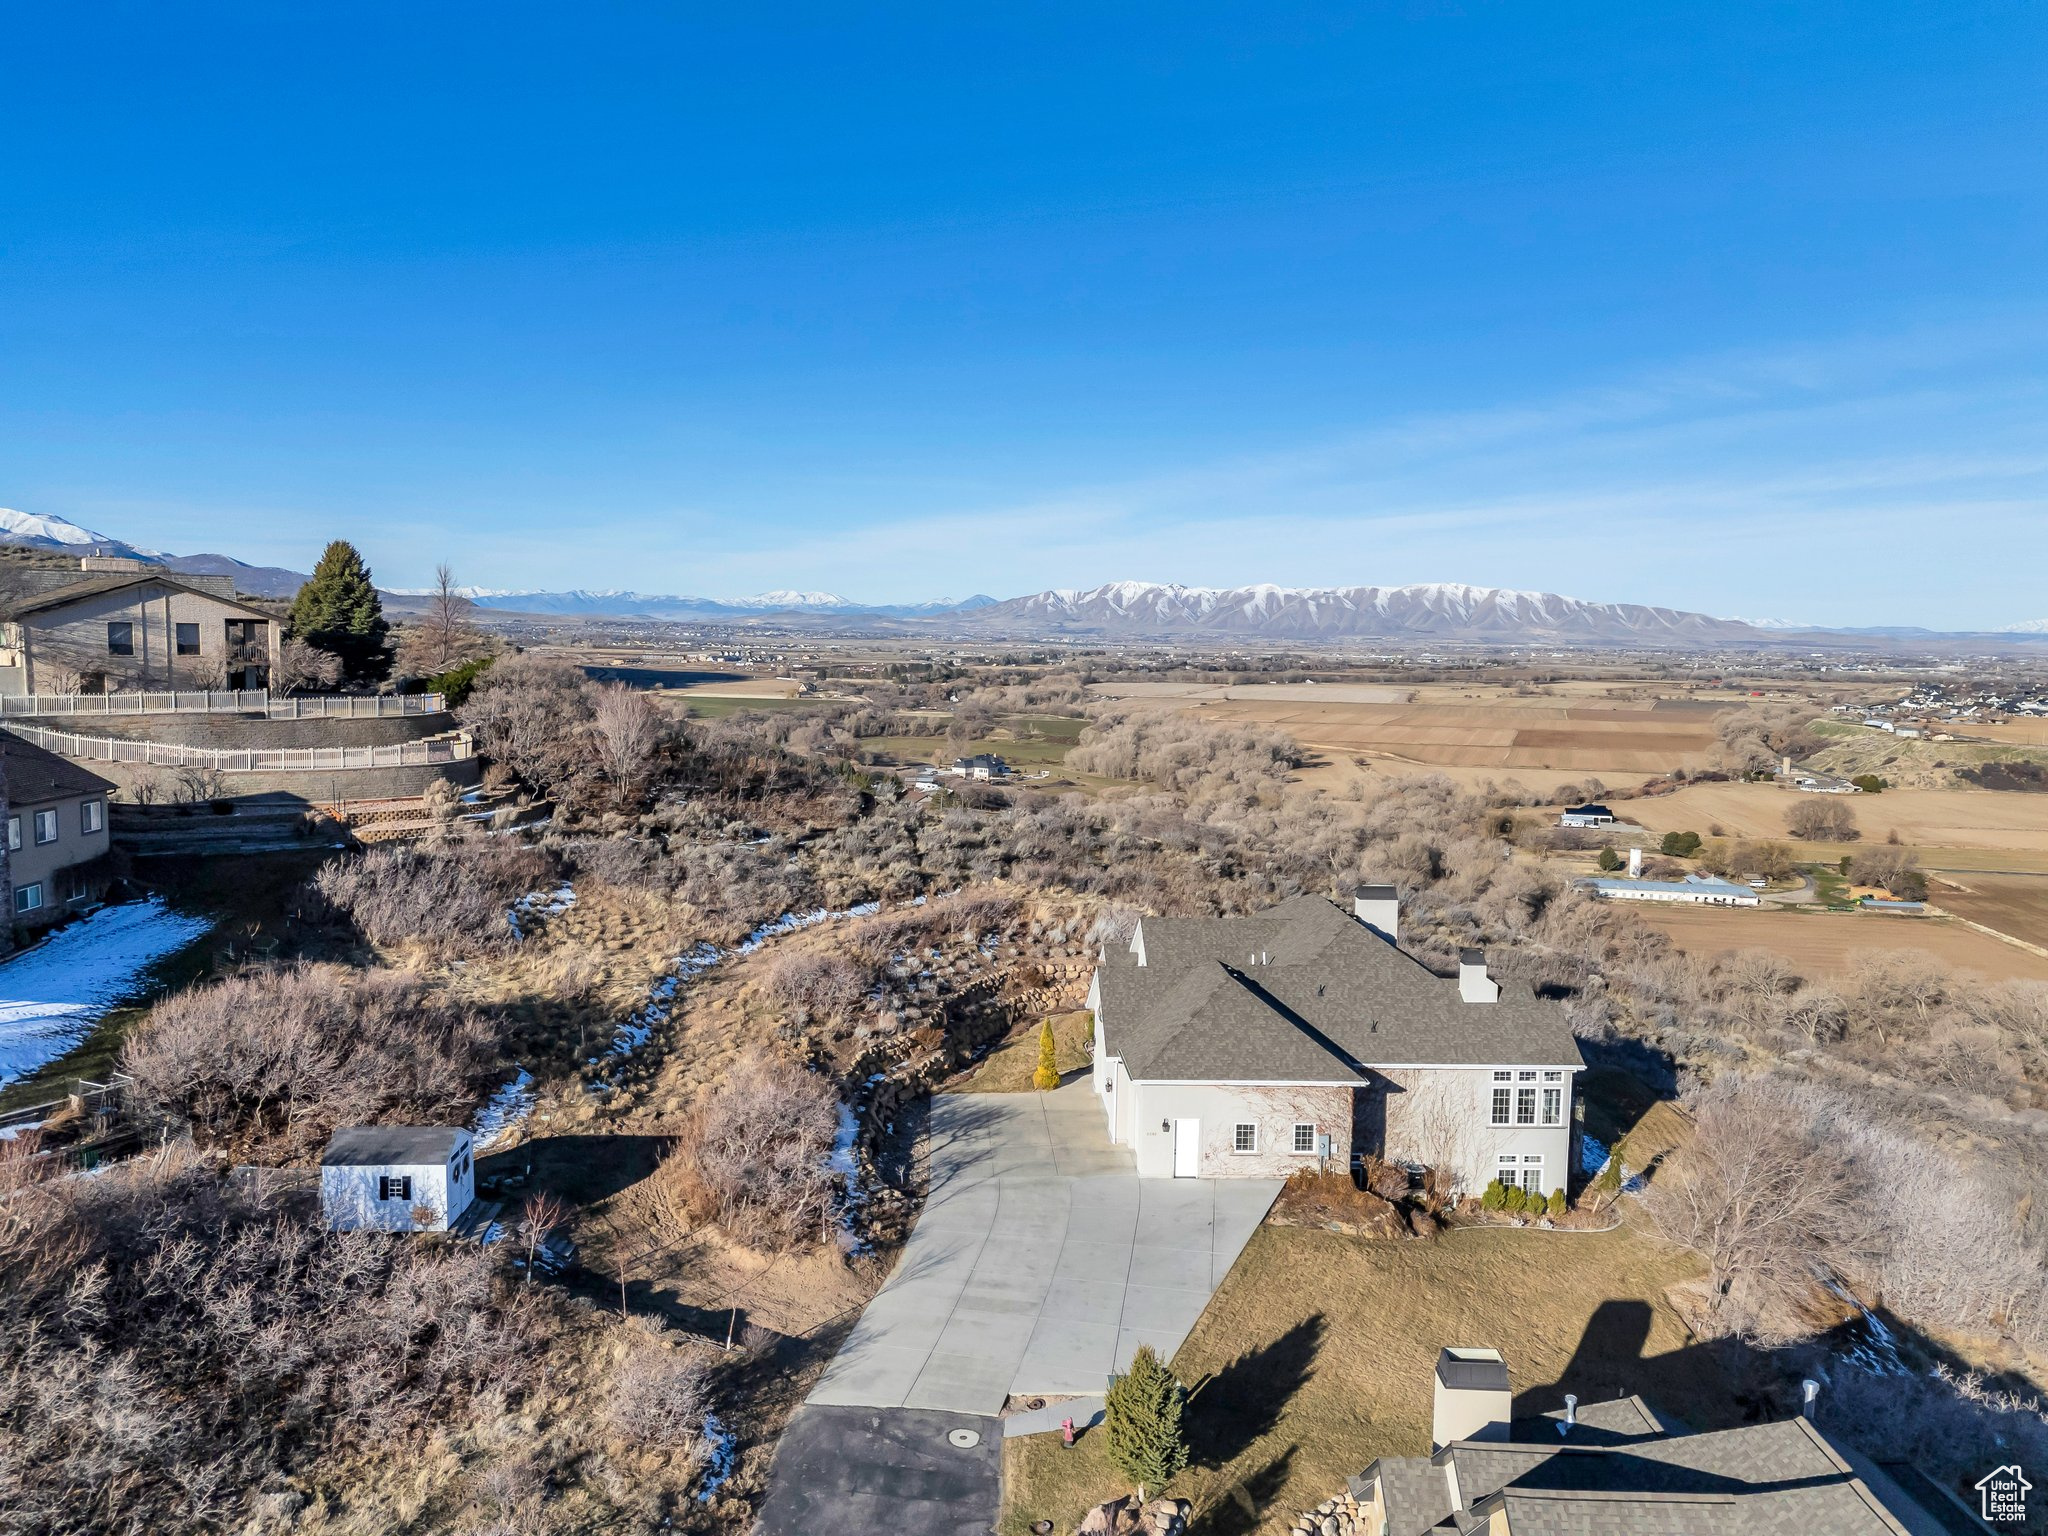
[[385, 1146], [34, 774], [22, 604], [1777, 1479], [1304, 992]]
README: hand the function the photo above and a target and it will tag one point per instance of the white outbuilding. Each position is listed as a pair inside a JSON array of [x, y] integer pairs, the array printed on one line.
[[397, 1178]]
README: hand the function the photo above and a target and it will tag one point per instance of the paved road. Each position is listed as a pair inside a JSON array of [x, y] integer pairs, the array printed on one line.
[[864, 1471], [1040, 1262]]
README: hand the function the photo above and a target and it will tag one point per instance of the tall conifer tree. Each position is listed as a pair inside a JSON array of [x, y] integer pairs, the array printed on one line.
[[338, 611]]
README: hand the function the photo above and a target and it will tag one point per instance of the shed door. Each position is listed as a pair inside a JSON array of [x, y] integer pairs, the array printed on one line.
[[1187, 1149]]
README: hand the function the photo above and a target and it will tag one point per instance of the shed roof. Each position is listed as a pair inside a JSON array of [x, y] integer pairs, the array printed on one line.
[[393, 1146], [1303, 992], [35, 774]]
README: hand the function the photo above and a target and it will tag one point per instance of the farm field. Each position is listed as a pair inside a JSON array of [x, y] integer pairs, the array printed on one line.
[[1826, 943], [1498, 734], [2014, 904], [2009, 825]]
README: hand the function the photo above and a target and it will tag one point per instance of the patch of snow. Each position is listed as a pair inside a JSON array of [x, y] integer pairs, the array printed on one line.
[[51, 996], [537, 906], [841, 1160], [505, 1109], [9, 1132]]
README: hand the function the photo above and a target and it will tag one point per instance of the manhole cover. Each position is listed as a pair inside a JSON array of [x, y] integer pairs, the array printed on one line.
[[963, 1439]]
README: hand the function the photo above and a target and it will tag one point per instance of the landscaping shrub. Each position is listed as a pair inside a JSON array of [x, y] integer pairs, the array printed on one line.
[[456, 892], [1557, 1204], [751, 1156], [1495, 1198], [1142, 1422], [1047, 1077]]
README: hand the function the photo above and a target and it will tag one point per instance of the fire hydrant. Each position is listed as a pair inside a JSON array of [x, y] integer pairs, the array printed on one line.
[[1067, 1433]]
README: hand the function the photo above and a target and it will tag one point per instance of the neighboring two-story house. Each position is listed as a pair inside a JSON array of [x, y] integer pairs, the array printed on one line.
[[134, 628], [1304, 1036], [56, 821]]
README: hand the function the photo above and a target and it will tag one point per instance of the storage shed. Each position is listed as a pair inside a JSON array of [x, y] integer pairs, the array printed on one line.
[[397, 1178]]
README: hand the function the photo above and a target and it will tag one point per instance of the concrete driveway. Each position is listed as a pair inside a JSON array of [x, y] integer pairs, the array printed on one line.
[[1040, 1263]]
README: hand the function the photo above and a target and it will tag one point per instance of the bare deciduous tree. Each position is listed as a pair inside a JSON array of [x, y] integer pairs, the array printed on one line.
[[302, 666], [528, 712], [660, 1396], [626, 728], [1821, 819], [540, 1215]]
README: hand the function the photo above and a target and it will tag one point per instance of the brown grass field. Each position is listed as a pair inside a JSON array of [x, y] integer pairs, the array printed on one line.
[[1316, 1356], [2014, 904], [1825, 943], [2010, 825]]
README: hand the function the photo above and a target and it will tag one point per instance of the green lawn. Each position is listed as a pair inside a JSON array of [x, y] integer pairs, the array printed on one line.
[[716, 707], [1009, 1067]]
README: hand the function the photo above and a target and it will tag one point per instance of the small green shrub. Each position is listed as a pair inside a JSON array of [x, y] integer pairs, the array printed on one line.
[[1557, 1204], [1870, 783], [1680, 845], [1516, 1201], [1047, 1077], [1495, 1196], [458, 683]]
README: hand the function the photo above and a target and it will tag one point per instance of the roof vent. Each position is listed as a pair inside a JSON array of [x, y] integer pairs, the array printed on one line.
[[1474, 985]]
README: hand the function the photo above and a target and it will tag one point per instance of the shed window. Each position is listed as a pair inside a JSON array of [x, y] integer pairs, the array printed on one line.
[[1244, 1137], [120, 637], [188, 639], [28, 898], [394, 1187], [46, 827], [1304, 1136], [92, 815]]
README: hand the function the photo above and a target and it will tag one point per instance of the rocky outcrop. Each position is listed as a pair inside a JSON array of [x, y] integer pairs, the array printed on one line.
[[1127, 1517], [1340, 1516]]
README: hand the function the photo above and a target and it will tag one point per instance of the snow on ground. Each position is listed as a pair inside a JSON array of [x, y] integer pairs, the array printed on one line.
[[52, 996], [537, 906], [503, 1110]]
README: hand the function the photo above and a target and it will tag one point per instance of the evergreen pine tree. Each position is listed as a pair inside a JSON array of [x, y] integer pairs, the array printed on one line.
[[1609, 859], [338, 611], [1047, 1077], [1142, 1422]]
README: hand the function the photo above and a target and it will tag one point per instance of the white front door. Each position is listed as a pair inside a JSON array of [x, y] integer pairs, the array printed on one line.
[[1187, 1149]]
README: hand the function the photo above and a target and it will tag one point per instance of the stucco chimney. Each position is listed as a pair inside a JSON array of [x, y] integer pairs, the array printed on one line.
[[1379, 908], [1472, 1400], [1474, 985], [1635, 863]]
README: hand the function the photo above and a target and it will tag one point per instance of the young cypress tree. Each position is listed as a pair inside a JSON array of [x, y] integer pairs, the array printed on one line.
[[1047, 1077], [1142, 1422], [339, 612]]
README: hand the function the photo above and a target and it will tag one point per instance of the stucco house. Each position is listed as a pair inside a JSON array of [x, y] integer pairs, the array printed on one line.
[[1250, 1047], [134, 628], [56, 817], [397, 1178]]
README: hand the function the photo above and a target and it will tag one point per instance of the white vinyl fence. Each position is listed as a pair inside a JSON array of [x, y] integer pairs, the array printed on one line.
[[223, 701], [448, 747]]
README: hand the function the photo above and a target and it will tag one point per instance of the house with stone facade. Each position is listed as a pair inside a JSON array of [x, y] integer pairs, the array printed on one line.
[[124, 624], [1304, 1036]]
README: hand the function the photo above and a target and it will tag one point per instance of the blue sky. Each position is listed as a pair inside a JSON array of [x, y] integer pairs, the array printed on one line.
[[1730, 307]]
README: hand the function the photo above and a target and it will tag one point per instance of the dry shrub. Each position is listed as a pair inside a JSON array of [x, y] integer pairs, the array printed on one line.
[[529, 711], [752, 1155], [455, 893], [660, 1396], [815, 984], [280, 1058], [204, 1347]]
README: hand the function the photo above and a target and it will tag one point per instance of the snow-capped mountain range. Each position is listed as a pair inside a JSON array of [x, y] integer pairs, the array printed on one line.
[[1118, 609]]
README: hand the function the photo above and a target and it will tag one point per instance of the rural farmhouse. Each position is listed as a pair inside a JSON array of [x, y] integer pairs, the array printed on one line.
[[1252, 1047]]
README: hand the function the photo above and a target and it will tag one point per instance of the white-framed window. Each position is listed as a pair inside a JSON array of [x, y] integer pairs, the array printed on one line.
[[1509, 1170], [394, 1187], [14, 834], [1503, 1105], [1553, 1077], [1525, 1106], [1525, 1077], [1553, 1106], [1532, 1176], [46, 827], [1305, 1136], [1502, 1075], [28, 898], [1244, 1137], [92, 815]]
